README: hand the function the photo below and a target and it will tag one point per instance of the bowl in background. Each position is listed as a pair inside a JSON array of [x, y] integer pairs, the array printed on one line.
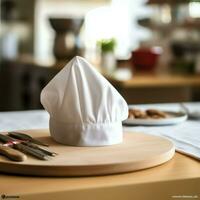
[[145, 59]]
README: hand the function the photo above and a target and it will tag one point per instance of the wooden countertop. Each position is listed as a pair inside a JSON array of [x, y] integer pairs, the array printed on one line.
[[145, 80], [180, 176]]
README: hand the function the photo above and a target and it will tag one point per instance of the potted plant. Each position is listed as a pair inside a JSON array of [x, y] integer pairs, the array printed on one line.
[[108, 61]]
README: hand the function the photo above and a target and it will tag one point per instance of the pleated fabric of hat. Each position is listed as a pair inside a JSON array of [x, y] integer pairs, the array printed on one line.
[[85, 109]]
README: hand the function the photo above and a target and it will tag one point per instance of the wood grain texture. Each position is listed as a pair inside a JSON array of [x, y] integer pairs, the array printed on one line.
[[138, 151], [181, 175]]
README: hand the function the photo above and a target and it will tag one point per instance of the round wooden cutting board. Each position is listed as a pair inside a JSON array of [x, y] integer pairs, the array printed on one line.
[[138, 151]]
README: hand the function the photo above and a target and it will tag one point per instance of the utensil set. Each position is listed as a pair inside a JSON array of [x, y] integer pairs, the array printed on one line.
[[16, 145]]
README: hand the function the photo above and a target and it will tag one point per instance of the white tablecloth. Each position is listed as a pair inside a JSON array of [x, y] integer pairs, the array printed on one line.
[[186, 135]]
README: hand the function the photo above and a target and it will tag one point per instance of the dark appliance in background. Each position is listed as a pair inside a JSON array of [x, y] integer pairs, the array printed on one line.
[[185, 55]]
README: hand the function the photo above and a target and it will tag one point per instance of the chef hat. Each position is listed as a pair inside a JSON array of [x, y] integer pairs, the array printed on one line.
[[85, 109]]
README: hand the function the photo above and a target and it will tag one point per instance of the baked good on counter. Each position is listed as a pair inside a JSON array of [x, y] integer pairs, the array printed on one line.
[[145, 114]]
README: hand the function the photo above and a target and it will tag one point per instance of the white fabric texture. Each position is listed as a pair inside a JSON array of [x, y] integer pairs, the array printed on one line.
[[85, 109]]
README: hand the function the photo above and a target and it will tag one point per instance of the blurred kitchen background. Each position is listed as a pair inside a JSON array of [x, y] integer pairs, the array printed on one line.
[[148, 49]]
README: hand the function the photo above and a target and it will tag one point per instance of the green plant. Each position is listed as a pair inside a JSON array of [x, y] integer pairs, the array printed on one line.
[[107, 45]]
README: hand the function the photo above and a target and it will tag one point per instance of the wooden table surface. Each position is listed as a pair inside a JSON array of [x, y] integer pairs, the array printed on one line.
[[175, 179], [157, 88], [153, 80]]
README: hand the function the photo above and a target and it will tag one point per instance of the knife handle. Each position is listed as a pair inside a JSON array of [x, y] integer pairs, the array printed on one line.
[[31, 151], [34, 146], [12, 154]]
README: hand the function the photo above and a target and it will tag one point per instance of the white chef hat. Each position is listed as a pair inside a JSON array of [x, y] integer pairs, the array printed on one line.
[[85, 109]]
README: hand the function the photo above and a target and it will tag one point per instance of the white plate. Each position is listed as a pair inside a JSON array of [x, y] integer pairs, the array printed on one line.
[[173, 118]]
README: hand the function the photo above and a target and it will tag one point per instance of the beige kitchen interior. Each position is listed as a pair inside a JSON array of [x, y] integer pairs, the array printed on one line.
[[140, 59]]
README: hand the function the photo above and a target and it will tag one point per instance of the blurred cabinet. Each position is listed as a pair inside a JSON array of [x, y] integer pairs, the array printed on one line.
[[21, 84]]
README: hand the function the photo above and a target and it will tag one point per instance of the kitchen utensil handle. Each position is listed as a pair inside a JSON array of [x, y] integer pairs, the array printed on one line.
[[34, 146], [12, 154], [23, 136], [31, 151]]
